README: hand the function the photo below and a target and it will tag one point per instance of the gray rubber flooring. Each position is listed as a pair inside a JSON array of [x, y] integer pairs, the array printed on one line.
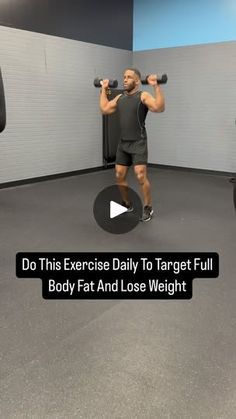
[[118, 359]]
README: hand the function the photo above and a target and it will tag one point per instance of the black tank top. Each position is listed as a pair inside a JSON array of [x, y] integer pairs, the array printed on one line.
[[132, 113]]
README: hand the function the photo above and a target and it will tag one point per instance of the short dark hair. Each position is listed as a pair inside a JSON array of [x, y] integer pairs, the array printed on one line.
[[136, 71]]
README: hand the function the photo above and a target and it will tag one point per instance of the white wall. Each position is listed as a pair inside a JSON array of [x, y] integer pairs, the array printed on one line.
[[53, 119], [197, 129]]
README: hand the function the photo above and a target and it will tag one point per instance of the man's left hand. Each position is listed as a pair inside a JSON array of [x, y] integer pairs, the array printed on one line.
[[152, 79]]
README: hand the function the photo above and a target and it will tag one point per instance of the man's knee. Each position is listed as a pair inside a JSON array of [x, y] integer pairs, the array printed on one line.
[[120, 175], [140, 175]]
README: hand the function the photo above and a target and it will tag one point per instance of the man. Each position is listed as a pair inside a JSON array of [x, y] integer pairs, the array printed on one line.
[[133, 106]]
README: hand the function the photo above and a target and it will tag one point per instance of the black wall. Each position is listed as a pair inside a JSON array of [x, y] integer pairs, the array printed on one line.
[[104, 22]]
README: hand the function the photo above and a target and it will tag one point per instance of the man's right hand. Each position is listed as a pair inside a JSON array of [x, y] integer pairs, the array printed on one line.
[[105, 84]]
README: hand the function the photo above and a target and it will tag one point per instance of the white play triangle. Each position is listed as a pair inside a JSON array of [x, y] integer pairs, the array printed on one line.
[[116, 209]]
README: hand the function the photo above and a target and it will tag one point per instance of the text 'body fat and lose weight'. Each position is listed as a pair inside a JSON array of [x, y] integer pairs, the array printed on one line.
[[117, 275]]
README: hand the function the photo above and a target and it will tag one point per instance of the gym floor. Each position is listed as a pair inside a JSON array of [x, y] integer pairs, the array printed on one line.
[[118, 359]]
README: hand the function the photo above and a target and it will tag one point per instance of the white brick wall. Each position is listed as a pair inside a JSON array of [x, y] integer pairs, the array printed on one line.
[[53, 120], [197, 129]]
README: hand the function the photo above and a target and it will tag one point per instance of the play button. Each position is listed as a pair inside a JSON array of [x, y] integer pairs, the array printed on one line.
[[111, 213], [116, 209]]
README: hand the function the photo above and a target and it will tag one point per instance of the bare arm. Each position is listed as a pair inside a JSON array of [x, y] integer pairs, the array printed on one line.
[[154, 103], [107, 106]]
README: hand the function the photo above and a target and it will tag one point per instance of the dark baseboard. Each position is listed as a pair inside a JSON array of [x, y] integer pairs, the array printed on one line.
[[190, 169], [50, 177], [110, 166]]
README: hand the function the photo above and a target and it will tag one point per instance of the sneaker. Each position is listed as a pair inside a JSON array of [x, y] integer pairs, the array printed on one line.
[[129, 206], [147, 213]]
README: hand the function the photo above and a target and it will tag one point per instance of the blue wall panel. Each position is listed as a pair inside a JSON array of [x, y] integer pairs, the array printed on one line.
[[171, 23]]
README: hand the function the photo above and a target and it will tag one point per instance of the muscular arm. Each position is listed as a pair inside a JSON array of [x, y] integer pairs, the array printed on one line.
[[154, 103], [107, 106]]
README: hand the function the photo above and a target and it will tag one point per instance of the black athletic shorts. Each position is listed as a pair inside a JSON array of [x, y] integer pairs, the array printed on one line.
[[132, 152]]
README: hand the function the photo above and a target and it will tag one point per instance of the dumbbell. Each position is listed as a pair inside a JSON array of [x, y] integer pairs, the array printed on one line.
[[161, 80], [112, 83], [2, 105]]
